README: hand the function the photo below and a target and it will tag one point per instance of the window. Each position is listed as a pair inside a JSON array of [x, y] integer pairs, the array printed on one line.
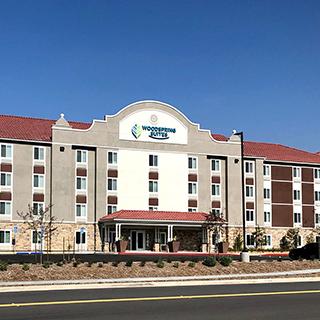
[[5, 237], [317, 195], [38, 153], [5, 179], [192, 163], [81, 183], [192, 188], [317, 173], [38, 181], [5, 208], [81, 156], [153, 160], [6, 151], [112, 184], [266, 170], [299, 241], [36, 237], [192, 209], [215, 165], [317, 217], [80, 237], [297, 218], [296, 195], [81, 210], [249, 215], [112, 157], [38, 208], [249, 166], [266, 193], [153, 208], [216, 212], [111, 209], [267, 240], [153, 186], [249, 191], [250, 240], [267, 217], [296, 172], [215, 190]]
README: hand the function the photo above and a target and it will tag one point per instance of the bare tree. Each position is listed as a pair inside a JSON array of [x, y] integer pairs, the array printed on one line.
[[42, 222]]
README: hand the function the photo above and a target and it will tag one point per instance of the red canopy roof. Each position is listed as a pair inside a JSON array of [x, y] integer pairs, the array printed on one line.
[[155, 216]]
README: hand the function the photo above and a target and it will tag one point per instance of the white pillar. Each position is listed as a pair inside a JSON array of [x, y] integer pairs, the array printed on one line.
[[170, 232], [118, 231]]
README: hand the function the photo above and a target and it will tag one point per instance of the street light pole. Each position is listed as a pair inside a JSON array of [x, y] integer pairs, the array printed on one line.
[[240, 134]]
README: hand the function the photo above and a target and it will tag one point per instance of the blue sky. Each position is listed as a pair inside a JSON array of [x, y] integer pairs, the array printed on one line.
[[249, 65]]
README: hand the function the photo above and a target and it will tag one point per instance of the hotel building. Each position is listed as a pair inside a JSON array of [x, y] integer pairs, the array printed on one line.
[[148, 174]]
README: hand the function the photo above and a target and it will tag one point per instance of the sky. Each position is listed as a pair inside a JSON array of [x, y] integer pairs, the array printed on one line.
[[251, 65]]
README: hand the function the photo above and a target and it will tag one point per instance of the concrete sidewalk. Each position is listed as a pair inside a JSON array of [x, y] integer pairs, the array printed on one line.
[[15, 286]]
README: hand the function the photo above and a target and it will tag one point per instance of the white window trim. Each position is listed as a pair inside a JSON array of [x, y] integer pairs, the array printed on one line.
[[251, 174], [37, 189], [216, 171], [216, 196], [153, 181], [38, 202], [297, 224], [253, 192], [153, 166], [111, 205], [267, 177], [251, 222], [10, 240], [6, 159], [37, 161], [81, 191], [193, 194], [7, 188], [267, 224], [112, 191], [193, 169], [81, 164], [7, 216], [270, 245], [80, 247], [113, 165], [295, 200], [251, 245], [153, 208]]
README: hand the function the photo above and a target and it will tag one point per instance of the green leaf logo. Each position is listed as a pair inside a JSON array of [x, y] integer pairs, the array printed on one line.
[[136, 130]]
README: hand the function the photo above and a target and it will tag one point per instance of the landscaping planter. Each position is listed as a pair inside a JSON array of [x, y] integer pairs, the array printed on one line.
[[121, 245], [174, 246], [223, 247]]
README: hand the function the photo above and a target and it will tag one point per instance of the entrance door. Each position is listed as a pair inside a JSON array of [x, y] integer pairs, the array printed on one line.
[[138, 240]]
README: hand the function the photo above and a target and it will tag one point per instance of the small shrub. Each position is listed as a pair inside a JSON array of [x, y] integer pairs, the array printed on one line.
[[225, 261], [191, 264], [115, 263], [75, 264], [46, 264], [100, 264], [129, 263], [25, 267], [160, 263], [59, 263], [169, 260], [209, 261], [142, 263], [176, 264], [3, 265], [89, 264]]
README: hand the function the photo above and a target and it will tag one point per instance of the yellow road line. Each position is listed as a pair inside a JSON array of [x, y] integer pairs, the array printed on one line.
[[207, 296]]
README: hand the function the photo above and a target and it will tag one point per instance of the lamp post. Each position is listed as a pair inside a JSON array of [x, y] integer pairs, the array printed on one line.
[[244, 255]]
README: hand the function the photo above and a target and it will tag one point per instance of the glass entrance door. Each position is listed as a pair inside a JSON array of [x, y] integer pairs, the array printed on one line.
[[138, 240]]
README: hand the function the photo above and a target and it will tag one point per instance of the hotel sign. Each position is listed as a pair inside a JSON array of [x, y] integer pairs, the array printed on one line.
[[153, 126]]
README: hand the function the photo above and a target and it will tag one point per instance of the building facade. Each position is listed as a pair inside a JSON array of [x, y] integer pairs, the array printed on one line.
[[148, 174]]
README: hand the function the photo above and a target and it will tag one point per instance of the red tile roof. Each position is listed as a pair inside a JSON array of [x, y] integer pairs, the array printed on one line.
[[219, 137], [24, 128], [155, 215], [278, 152]]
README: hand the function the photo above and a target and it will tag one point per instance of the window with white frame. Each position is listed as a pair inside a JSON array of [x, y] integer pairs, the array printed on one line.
[[153, 160], [216, 212], [38, 153], [38, 208], [192, 188], [111, 209], [5, 179], [82, 183], [82, 156], [299, 241], [81, 210], [317, 173], [215, 189], [266, 193], [215, 165], [192, 163], [36, 237], [296, 172], [249, 215], [112, 157], [268, 240], [153, 208], [153, 186], [266, 170], [192, 209], [5, 237], [112, 184], [5, 208], [6, 151], [317, 195], [297, 217], [249, 191], [296, 195], [317, 217], [248, 166], [267, 217], [250, 240], [38, 181], [80, 237]]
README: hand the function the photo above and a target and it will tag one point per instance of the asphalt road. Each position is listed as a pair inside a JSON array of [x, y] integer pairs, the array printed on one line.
[[261, 301]]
